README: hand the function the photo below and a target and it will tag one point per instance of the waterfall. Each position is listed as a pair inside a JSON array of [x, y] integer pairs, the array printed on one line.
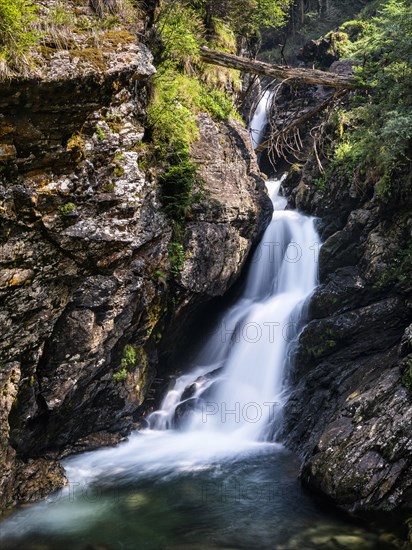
[[227, 408], [259, 120], [231, 400], [208, 472], [238, 387]]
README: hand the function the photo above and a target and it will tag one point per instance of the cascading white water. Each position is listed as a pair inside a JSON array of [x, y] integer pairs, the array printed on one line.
[[259, 120], [250, 345], [253, 337], [232, 397]]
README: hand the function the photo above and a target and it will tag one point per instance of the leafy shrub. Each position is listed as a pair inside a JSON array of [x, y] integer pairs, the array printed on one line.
[[181, 31], [179, 89], [248, 17], [172, 109]]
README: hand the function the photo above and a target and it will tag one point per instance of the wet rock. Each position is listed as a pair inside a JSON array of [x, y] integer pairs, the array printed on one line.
[[185, 409], [405, 346], [189, 391]]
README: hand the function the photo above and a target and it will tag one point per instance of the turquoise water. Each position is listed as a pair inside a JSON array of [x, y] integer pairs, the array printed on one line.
[[253, 501]]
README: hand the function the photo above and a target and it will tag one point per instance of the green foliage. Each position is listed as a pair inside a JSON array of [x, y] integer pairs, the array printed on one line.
[[101, 136], [269, 14], [183, 88], [172, 110], [374, 138], [16, 34], [223, 37], [181, 30], [129, 357], [67, 209], [249, 17], [176, 257], [180, 92], [177, 185], [120, 375], [216, 103], [320, 183], [176, 101]]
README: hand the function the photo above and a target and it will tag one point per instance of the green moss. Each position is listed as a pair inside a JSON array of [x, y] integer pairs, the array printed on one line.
[[118, 171], [118, 36], [92, 56], [67, 209], [31, 381], [129, 357], [118, 168], [120, 376], [109, 187], [101, 136], [320, 182], [144, 373], [323, 348]]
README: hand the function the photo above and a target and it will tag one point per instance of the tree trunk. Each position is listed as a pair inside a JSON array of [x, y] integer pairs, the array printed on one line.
[[280, 72], [302, 11]]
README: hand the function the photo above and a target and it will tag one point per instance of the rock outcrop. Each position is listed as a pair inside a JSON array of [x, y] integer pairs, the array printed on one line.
[[350, 412], [86, 284]]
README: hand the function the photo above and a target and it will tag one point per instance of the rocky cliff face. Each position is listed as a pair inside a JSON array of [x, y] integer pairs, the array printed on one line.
[[86, 284], [350, 412]]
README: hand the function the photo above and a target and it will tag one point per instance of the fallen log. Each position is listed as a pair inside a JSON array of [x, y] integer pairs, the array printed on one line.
[[281, 72]]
